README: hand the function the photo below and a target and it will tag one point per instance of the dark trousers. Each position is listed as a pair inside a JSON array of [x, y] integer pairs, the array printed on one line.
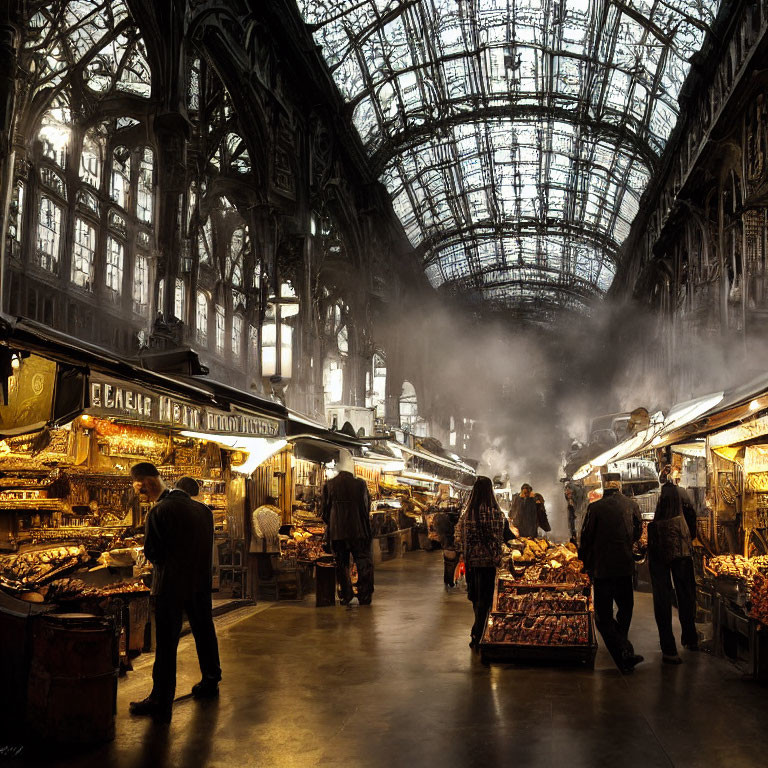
[[168, 619], [480, 584], [450, 559], [681, 571], [360, 549], [615, 631]]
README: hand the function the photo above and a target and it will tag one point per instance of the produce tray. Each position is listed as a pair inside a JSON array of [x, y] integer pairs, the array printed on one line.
[[496, 608], [582, 653], [532, 586]]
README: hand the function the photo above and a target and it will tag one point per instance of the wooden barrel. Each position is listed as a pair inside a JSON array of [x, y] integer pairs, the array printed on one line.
[[325, 584], [72, 691]]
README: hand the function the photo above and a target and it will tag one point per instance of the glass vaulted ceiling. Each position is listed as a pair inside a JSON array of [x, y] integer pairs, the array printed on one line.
[[514, 136]]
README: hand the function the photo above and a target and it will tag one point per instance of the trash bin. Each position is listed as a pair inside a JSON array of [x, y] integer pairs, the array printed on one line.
[[72, 691], [325, 584]]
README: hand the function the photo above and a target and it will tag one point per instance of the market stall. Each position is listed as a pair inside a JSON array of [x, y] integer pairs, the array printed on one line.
[[542, 608], [70, 435]]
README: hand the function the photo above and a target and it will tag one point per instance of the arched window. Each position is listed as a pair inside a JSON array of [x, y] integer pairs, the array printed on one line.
[[83, 254], [333, 381], [113, 276], [221, 325], [141, 284], [55, 131], [376, 385], [201, 319], [179, 296], [237, 336], [92, 157], [235, 257], [48, 235], [409, 410], [205, 242], [145, 187], [121, 176]]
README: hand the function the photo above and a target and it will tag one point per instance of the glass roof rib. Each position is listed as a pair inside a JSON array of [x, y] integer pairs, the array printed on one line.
[[514, 136]]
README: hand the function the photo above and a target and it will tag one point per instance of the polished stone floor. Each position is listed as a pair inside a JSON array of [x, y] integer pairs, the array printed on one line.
[[395, 684]]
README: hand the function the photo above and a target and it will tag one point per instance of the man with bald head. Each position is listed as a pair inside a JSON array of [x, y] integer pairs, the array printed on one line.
[[178, 541]]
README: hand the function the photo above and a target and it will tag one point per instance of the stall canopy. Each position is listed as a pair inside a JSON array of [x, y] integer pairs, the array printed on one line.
[[65, 379], [314, 441], [693, 419], [661, 431]]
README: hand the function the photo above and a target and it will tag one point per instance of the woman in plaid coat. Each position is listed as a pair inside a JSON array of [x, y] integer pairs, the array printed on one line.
[[480, 532]]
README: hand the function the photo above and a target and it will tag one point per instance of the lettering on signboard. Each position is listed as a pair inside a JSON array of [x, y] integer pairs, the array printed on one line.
[[240, 424], [122, 400], [115, 399]]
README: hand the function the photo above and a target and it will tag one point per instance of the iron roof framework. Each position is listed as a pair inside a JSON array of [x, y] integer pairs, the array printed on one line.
[[515, 137]]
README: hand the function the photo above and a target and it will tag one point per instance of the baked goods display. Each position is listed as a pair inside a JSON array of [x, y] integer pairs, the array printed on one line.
[[541, 606], [735, 567], [552, 629], [540, 602], [537, 561], [32, 569]]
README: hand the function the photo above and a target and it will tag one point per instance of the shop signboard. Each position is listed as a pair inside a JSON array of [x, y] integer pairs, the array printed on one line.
[[240, 423], [128, 400], [30, 395]]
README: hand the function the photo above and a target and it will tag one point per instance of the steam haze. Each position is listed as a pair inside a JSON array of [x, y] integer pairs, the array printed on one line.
[[533, 390]]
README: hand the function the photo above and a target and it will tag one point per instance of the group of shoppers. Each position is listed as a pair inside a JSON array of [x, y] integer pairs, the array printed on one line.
[[178, 541], [611, 528]]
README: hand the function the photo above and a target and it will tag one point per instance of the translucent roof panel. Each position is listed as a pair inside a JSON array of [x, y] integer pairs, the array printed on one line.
[[503, 126]]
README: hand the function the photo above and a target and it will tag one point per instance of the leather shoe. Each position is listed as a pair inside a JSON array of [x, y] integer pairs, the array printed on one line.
[[149, 707], [635, 659], [205, 689], [669, 659]]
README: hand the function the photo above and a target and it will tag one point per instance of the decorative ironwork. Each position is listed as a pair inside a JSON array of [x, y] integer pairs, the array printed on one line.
[[481, 115]]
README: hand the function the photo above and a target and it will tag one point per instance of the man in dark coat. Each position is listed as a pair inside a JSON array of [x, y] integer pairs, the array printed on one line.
[[612, 525], [670, 558], [346, 511], [178, 541], [527, 515]]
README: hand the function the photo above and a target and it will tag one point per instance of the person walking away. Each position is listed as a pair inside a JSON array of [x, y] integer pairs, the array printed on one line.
[[571, 504], [611, 527], [478, 536], [670, 558], [526, 514], [542, 521], [178, 541], [346, 512], [445, 530]]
